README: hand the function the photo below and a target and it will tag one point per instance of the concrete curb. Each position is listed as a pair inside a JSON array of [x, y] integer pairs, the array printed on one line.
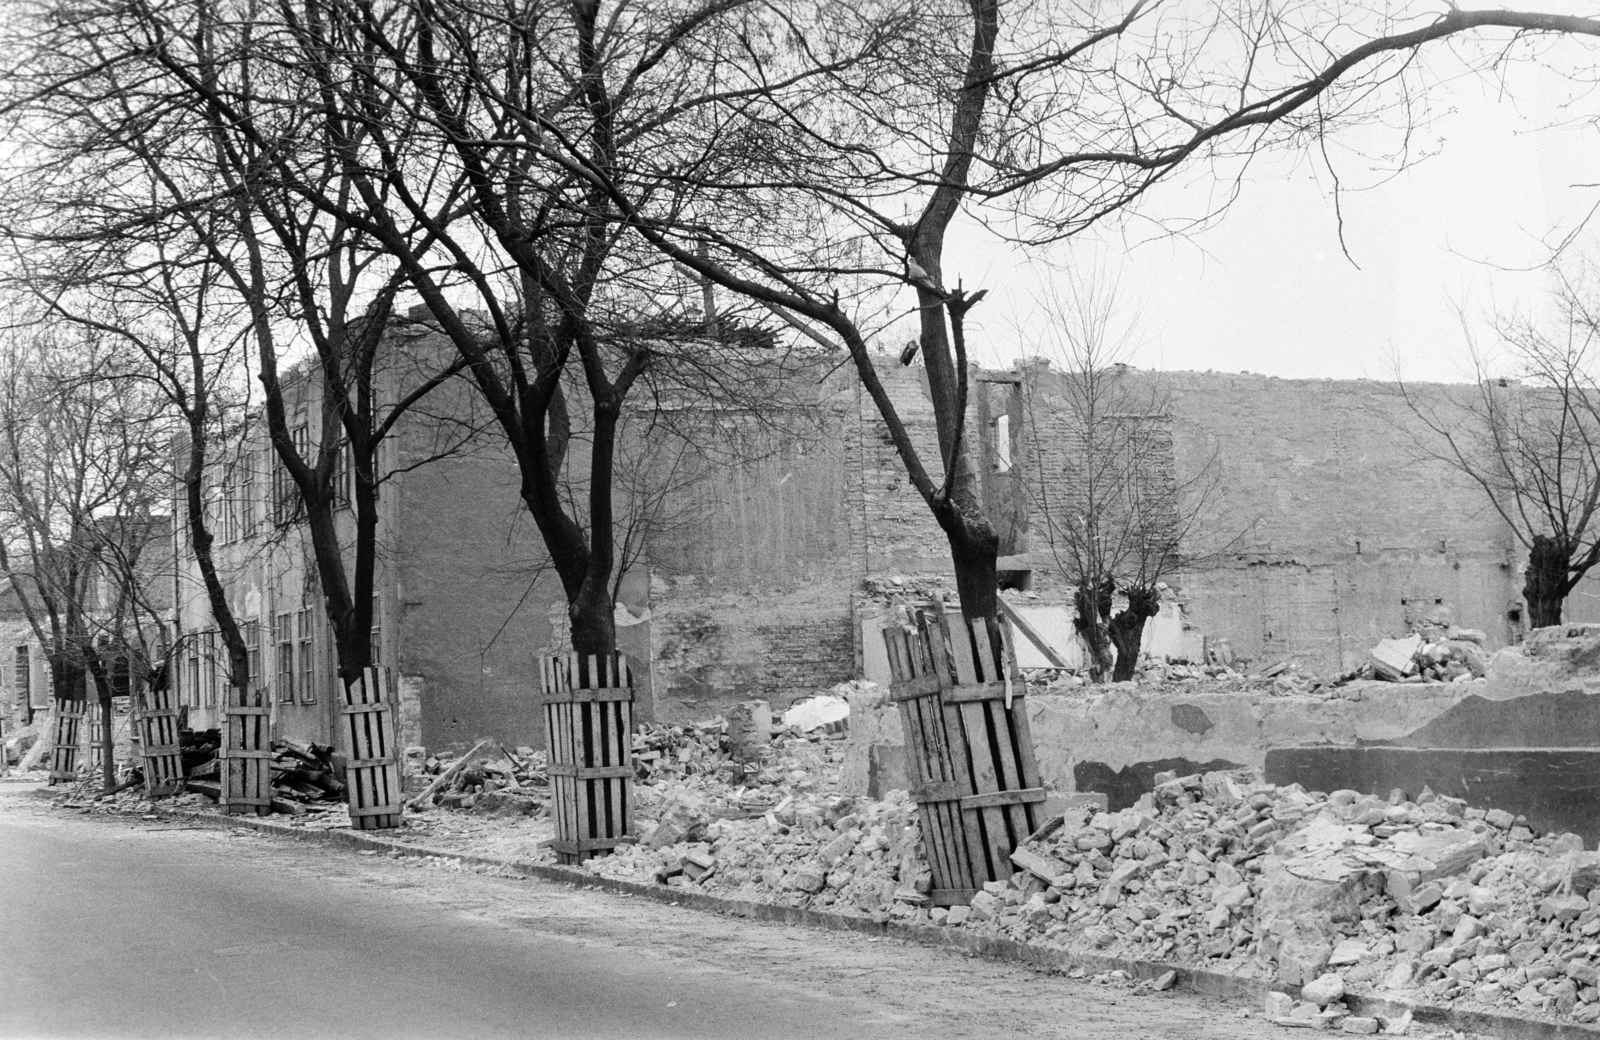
[[1196, 980]]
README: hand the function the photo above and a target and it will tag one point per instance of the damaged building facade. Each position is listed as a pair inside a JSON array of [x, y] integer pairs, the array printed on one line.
[[768, 571]]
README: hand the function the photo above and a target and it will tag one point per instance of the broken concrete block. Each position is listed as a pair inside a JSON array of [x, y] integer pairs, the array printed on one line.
[[1046, 868], [1359, 1025], [1347, 952], [1562, 909], [958, 915], [1398, 1026], [1392, 659], [1302, 958], [810, 880], [680, 823], [986, 906], [1399, 976], [749, 730], [1424, 898], [1500, 819], [1278, 1005], [1323, 990]]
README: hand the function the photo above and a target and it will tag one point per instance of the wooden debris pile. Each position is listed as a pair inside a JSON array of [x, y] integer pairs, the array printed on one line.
[[306, 772], [489, 778], [198, 750]]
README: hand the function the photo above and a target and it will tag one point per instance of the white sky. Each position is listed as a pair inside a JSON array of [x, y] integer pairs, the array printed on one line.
[[1268, 290]]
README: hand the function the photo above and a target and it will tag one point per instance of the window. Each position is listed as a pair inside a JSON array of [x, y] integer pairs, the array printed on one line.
[[23, 674], [208, 668], [343, 477], [191, 675], [1002, 444], [250, 632], [285, 495], [308, 660], [284, 637], [43, 684]]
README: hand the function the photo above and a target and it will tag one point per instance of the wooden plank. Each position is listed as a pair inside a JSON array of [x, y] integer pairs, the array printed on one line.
[[951, 896], [588, 772], [921, 686], [938, 841], [961, 652], [974, 692], [947, 791], [993, 842], [1032, 635], [996, 798]]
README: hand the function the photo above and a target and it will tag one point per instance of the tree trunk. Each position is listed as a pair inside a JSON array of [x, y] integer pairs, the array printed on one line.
[[103, 692], [1090, 622], [1545, 586], [1127, 630], [594, 625], [977, 582]]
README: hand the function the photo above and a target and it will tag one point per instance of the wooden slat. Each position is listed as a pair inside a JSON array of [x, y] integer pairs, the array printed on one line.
[[947, 791], [602, 694], [588, 772], [995, 798], [921, 686], [985, 779], [974, 692]]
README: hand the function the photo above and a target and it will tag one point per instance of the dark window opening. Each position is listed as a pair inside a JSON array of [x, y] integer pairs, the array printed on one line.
[[1018, 580]]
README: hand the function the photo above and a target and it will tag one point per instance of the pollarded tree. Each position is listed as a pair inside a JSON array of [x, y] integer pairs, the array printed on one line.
[[1527, 434], [1115, 515]]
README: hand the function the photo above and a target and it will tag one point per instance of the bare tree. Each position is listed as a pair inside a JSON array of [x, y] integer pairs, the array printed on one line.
[[864, 144], [81, 486], [1527, 434], [1116, 516], [200, 250]]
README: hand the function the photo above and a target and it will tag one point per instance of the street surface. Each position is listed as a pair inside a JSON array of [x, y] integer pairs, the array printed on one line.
[[111, 927]]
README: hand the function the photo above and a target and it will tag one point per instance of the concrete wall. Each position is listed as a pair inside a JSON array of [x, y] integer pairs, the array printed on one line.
[[1526, 739]]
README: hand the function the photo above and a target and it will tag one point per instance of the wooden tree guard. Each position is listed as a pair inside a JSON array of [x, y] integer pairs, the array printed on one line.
[[246, 758], [372, 775], [65, 740], [971, 753], [158, 741], [96, 733], [588, 722]]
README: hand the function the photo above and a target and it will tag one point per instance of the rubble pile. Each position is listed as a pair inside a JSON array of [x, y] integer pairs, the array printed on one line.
[[780, 832], [1426, 899], [1431, 654]]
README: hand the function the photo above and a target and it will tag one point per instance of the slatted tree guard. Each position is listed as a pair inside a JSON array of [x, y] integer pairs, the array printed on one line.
[[372, 775], [974, 777], [588, 717], [246, 757], [158, 739], [65, 739]]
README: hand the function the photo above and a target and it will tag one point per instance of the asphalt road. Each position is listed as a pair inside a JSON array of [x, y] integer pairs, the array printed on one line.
[[115, 936], [111, 927]]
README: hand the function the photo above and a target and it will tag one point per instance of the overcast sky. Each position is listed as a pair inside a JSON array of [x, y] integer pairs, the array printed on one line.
[[1268, 290]]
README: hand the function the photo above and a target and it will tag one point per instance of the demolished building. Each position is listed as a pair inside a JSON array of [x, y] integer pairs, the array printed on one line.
[[773, 569]]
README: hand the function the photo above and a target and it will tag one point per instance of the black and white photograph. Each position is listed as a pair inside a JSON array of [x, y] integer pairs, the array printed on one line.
[[799, 519]]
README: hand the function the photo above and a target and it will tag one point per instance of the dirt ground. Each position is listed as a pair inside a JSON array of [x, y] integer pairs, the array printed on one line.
[[938, 993]]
